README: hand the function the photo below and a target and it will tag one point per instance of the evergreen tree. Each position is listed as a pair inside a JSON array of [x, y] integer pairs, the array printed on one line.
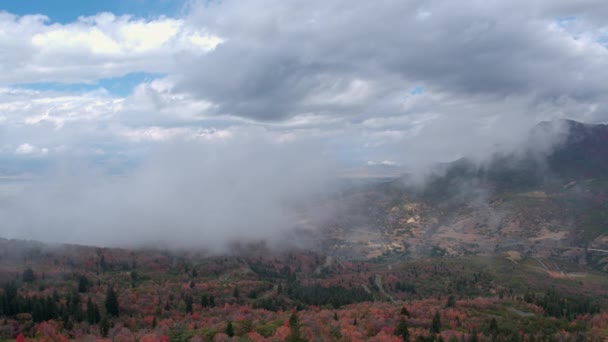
[[229, 329], [474, 337], [188, 301], [177, 333], [493, 329], [93, 315], [404, 312], [451, 302], [83, 284], [295, 334], [402, 330], [204, 301], [28, 275], [134, 279], [436, 324], [112, 302], [102, 263], [104, 326]]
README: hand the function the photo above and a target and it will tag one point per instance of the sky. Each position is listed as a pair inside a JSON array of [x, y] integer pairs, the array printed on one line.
[[404, 82], [393, 83]]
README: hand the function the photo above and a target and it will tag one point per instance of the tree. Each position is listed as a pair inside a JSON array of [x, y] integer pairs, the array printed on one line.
[[204, 301], [235, 293], [93, 315], [493, 329], [436, 324], [188, 301], [112, 302], [134, 279], [402, 330], [83, 284], [104, 326], [102, 263], [404, 312], [451, 302], [229, 329], [177, 333], [28, 275], [295, 335]]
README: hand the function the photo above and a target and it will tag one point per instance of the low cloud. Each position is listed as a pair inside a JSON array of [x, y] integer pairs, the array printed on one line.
[[187, 194]]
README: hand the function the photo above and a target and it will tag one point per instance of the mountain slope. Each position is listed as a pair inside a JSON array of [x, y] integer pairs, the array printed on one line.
[[542, 201]]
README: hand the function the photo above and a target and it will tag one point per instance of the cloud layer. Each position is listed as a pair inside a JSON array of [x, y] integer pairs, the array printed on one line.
[[392, 83]]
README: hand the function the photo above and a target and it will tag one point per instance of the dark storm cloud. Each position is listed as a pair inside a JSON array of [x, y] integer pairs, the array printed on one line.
[[277, 55]]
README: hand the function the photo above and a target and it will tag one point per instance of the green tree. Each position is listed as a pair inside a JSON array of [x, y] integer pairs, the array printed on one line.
[[474, 337], [93, 315], [83, 284], [402, 330], [229, 329], [28, 275], [188, 301], [112, 302], [134, 279], [295, 334], [104, 326], [451, 302], [436, 324], [493, 329], [177, 333], [204, 301]]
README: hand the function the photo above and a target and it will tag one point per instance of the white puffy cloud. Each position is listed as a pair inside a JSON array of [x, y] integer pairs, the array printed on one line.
[[100, 46]]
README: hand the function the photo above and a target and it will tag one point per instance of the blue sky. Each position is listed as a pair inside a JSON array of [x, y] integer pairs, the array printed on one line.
[[64, 11], [118, 86]]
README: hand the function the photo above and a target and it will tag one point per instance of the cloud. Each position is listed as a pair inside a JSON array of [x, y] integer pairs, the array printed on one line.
[[411, 82], [100, 46], [313, 57], [26, 148], [188, 194]]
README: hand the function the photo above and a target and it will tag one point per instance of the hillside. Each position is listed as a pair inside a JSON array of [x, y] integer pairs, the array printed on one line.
[[55, 293], [550, 204]]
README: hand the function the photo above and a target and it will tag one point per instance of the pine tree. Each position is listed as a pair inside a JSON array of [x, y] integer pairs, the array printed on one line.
[[28, 275], [104, 326], [436, 324], [493, 329], [402, 330], [295, 334], [112, 302], [93, 316], [229, 329], [451, 302], [83, 284], [188, 301], [404, 312]]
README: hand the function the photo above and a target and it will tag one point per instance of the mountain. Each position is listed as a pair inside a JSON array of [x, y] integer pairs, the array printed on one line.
[[549, 199]]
